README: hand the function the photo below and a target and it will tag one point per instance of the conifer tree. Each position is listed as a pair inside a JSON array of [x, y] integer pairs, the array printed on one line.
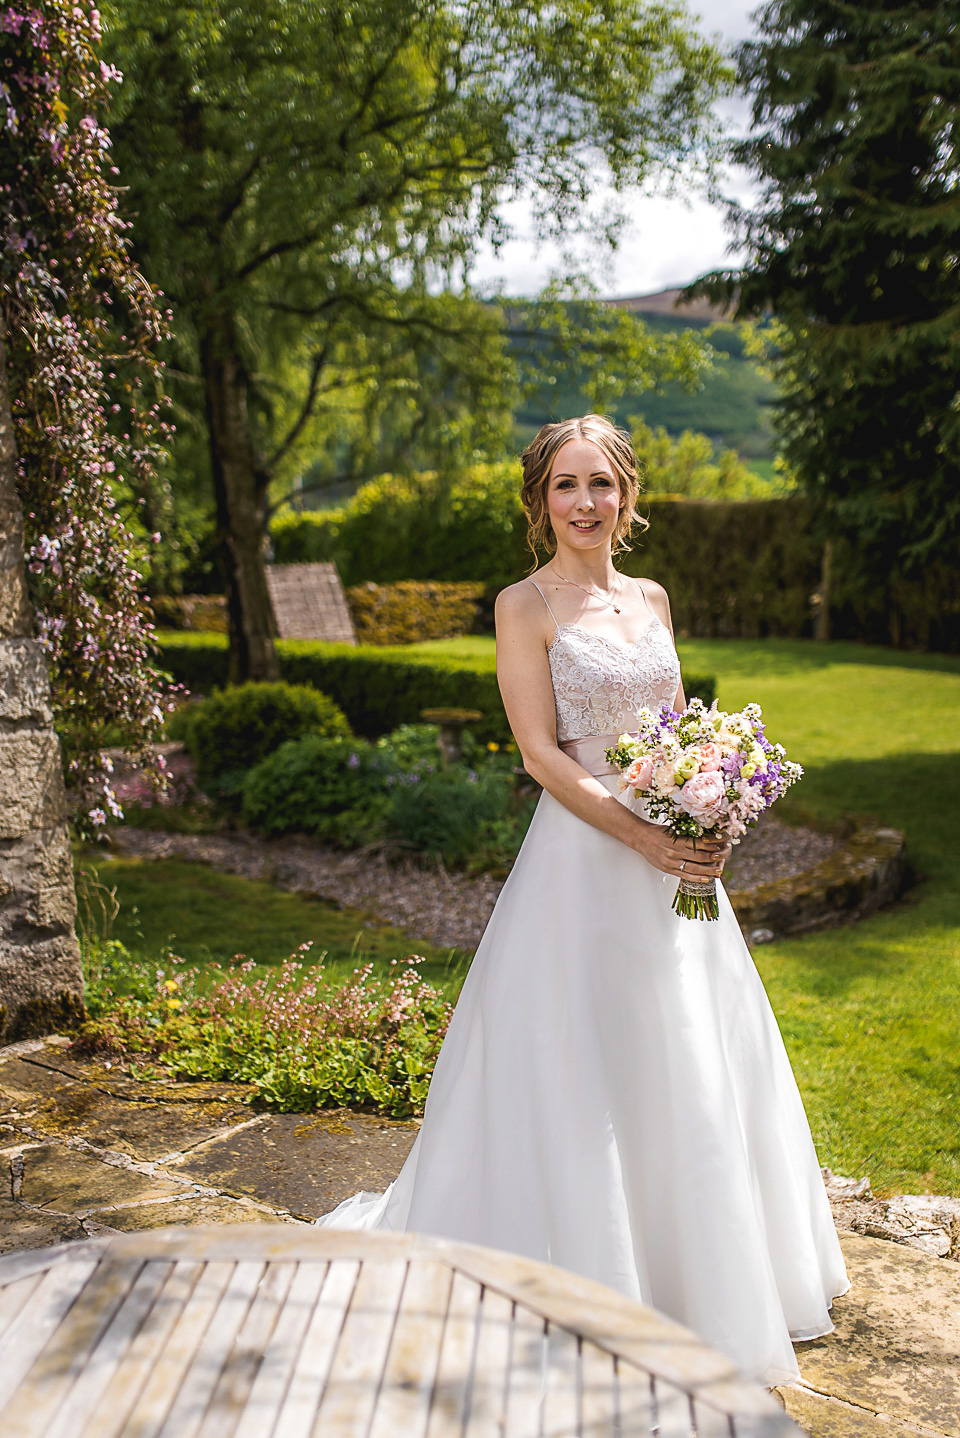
[[854, 246]]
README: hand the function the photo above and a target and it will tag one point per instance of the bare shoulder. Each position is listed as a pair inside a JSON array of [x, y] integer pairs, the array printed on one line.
[[656, 595], [520, 609]]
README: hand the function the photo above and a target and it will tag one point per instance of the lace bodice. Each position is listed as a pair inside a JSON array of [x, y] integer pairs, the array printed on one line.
[[599, 685]]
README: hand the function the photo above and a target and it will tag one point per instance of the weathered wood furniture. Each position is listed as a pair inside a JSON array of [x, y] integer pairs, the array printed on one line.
[[309, 602], [274, 1331]]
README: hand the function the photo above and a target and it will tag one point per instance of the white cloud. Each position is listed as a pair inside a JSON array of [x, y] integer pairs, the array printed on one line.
[[668, 241]]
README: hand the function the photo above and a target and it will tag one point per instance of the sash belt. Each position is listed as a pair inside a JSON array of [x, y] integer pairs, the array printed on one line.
[[588, 752]]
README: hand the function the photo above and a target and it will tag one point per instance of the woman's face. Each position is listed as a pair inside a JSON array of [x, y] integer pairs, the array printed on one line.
[[583, 496]]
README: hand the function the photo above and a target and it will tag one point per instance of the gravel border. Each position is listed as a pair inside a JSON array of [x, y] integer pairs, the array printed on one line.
[[443, 908]]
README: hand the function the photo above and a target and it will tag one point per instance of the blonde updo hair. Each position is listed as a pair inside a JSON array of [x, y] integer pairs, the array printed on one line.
[[537, 461]]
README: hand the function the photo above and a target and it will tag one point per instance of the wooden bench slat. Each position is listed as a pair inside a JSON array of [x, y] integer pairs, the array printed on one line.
[[350, 1394], [562, 1397], [651, 1404], [245, 1355], [172, 1363], [272, 1382], [24, 1340], [710, 1423], [46, 1387], [114, 1406], [408, 1378], [112, 1350], [597, 1399], [203, 1374], [14, 1298], [527, 1389], [317, 1350], [491, 1368], [448, 1409]]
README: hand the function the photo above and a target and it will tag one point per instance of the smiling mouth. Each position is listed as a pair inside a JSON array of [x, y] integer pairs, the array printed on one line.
[[585, 524]]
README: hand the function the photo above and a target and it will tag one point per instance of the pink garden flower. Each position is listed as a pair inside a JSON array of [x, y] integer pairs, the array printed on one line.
[[710, 758], [640, 772], [703, 798]]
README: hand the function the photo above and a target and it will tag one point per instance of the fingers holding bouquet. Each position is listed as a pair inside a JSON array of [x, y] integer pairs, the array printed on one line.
[[700, 859], [704, 777]]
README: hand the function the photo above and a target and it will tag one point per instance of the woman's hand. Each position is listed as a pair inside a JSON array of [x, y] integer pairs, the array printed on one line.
[[682, 858]]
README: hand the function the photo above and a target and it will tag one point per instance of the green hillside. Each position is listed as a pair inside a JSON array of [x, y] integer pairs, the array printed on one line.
[[732, 407]]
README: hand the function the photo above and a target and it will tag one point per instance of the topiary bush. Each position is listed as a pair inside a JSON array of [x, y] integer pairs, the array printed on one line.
[[234, 729]]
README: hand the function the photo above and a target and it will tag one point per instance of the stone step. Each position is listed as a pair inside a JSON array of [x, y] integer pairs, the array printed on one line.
[[85, 1149], [892, 1364]]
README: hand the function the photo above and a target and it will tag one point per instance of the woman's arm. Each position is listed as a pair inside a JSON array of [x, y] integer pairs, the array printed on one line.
[[523, 673]]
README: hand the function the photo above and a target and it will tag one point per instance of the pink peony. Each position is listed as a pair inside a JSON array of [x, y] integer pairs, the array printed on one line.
[[709, 756], [640, 772], [702, 797]]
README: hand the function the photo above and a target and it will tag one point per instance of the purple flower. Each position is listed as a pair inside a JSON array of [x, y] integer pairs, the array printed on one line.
[[353, 762]]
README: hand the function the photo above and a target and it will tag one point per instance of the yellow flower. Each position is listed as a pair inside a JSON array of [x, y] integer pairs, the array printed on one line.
[[171, 985], [494, 748], [174, 1004]]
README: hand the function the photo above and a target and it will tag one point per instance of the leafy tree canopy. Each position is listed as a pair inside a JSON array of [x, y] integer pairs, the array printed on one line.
[[311, 180], [855, 246]]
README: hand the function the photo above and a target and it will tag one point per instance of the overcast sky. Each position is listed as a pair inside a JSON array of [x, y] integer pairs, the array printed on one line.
[[668, 242]]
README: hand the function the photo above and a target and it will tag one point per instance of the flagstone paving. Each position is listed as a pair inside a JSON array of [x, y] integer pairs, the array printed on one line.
[[85, 1150]]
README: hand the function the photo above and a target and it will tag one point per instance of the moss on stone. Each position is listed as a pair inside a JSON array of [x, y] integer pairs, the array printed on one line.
[[869, 870], [45, 1014]]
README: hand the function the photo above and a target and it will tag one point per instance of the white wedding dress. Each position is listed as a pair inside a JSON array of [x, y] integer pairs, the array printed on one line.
[[613, 1094]]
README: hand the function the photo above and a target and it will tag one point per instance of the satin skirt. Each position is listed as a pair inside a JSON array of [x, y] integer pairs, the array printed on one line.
[[613, 1096]]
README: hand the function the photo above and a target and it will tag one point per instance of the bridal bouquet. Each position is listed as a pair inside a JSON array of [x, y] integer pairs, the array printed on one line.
[[699, 771]]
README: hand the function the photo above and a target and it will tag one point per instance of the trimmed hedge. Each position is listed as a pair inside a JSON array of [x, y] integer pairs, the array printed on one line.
[[377, 688], [413, 610], [732, 568]]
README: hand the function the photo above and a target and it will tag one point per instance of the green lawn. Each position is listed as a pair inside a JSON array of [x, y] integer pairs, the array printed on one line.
[[870, 1013], [209, 918]]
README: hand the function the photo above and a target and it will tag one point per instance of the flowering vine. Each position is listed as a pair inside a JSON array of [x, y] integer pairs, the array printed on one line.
[[83, 328]]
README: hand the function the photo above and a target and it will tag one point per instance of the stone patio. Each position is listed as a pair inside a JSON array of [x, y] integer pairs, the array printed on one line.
[[85, 1150]]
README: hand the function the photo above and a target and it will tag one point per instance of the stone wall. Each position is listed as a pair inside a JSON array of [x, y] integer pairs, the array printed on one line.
[[41, 981]]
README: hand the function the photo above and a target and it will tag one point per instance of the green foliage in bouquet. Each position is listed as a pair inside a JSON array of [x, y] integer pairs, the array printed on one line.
[[231, 731]]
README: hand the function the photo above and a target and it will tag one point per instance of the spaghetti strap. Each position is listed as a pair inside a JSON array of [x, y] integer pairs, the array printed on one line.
[[545, 600], [645, 599]]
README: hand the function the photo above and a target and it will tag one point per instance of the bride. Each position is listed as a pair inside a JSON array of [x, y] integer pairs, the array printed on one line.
[[613, 1094]]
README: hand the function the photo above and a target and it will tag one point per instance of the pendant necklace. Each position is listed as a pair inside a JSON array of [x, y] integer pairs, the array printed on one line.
[[614, 607]]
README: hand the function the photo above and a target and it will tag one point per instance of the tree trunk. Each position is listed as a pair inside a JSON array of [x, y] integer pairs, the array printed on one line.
[[41, 979], [240, 487], [822, 618]]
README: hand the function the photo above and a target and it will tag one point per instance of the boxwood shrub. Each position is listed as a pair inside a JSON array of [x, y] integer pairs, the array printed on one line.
[[233, 729], [306, 784], [377, 688]]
